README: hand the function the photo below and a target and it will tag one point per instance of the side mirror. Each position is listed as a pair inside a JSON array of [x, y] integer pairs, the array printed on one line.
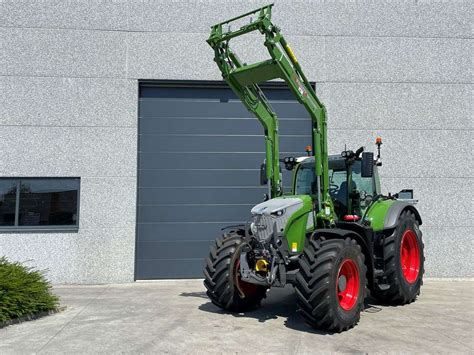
[[367, 169], [263, 174]]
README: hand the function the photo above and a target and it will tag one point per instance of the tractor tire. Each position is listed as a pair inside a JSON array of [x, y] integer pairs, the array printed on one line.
[[222, 276], [331, 284], [404, 262]]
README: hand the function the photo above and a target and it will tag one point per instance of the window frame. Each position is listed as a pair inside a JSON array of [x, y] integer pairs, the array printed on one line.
[[375, 179], [44, 228]]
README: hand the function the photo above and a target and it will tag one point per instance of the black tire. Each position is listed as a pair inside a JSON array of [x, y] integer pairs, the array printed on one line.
[[401, 291], [317, 283], [220, 276]]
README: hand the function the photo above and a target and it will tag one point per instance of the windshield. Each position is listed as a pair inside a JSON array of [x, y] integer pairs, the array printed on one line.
[[305, 182]]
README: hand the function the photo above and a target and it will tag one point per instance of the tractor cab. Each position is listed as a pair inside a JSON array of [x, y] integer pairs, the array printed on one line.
[[350, 202]]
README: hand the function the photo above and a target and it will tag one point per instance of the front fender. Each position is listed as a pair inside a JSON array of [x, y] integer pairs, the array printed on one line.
[[339, 233]]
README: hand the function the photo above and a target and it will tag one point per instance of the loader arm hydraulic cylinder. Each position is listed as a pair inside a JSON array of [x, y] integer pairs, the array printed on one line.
[[244, 80]]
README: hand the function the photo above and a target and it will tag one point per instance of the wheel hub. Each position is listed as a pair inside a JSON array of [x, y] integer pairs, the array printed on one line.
[[410, 256], [348, 284], [342, 283]]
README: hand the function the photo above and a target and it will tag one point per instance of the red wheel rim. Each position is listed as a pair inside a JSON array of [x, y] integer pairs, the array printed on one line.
[[246, 287], [348, 284], [410, 256]]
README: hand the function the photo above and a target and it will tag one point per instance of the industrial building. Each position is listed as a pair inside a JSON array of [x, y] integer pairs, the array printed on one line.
[[123, 154]]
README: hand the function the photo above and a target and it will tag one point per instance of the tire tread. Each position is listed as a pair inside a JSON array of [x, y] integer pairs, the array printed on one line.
[[314, 279]]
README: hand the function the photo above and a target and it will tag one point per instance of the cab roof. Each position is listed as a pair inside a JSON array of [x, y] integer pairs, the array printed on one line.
[[310, 159]]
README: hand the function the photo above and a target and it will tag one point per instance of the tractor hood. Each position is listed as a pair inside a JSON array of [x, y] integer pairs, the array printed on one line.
[[289, 215], [275, 205]]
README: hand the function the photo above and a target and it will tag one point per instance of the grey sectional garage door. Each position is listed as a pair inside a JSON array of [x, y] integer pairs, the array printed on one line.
[[199, 157]]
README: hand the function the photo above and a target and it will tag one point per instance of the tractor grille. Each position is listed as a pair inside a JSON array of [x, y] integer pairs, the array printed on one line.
[[264, 225], [265, 215]]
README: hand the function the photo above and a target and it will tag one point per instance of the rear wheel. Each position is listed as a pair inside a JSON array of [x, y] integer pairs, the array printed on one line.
[[331, 284], [404, 262], [222, 278]]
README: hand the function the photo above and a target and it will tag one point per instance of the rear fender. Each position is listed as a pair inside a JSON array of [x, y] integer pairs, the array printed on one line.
[[395, 210]]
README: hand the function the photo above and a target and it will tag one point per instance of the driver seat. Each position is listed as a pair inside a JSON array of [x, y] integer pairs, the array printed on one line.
[[341, 195]]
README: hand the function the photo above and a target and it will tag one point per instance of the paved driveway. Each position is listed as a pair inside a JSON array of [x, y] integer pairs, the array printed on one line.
[[177, 317]]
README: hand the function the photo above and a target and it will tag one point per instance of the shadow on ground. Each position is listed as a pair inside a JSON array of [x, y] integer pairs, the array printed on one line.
[[280, 302]]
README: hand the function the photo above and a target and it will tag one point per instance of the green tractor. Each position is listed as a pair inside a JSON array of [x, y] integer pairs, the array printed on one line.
[[335, 235]]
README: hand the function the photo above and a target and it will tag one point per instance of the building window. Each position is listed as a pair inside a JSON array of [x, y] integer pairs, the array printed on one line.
[[39, 203]]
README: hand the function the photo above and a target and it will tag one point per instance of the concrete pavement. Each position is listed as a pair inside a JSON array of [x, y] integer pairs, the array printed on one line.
[[177, 317]]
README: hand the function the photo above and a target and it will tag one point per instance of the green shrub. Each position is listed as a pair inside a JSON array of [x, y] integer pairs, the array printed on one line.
[[24, 291]]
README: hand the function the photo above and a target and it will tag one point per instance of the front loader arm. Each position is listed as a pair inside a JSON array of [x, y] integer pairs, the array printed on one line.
[[244, 79], [255, 101]]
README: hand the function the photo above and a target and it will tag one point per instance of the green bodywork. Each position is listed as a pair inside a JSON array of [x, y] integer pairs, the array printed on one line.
[[244, 79], [297, 226], [377, 212]]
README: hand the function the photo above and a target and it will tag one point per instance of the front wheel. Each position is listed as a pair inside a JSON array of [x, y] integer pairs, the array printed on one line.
[[331, 284], [222, 278]]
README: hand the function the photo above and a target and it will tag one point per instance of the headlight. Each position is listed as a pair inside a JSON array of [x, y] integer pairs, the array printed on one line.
[[279, 212], [253, 228]]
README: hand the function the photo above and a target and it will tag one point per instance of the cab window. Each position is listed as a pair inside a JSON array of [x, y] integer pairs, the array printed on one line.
[[305, 181]]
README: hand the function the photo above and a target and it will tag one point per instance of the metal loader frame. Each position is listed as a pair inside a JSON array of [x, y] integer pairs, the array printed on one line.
[[244, 80]]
